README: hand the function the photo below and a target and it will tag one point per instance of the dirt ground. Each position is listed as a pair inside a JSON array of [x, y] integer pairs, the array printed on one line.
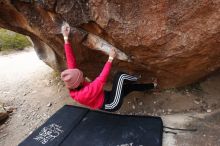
[[35, 92]]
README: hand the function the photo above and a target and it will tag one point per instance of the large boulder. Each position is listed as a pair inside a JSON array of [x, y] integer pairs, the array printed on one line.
[[177, 41]]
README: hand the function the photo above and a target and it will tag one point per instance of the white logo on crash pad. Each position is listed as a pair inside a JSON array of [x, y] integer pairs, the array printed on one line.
[[49, 133]]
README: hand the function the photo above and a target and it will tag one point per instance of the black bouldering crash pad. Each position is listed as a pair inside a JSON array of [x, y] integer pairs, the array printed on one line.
[[77, 126]]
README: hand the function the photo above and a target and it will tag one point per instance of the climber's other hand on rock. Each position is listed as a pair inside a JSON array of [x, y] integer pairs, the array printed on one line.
[[112, 54], [65, 30]]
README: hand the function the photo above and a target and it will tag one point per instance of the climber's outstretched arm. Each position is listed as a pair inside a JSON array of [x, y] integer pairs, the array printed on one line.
[[70, 56]]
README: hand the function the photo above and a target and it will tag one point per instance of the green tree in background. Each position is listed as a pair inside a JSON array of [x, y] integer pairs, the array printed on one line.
[[10, 40]]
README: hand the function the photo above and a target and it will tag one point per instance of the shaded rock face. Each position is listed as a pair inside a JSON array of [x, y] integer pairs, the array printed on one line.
[[177, 41]]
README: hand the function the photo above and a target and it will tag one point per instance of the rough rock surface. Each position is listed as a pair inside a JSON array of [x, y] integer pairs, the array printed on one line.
[[177, 41]]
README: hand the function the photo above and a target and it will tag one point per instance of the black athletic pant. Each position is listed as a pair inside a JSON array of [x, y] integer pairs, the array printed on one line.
[[123, 84]]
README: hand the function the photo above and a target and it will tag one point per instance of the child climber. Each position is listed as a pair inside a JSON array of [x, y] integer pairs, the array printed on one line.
[[92, 93]]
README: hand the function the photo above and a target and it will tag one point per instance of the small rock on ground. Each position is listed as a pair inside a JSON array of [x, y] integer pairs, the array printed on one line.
[[3, 113]]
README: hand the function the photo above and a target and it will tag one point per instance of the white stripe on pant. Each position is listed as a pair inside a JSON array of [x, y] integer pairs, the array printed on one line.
[[119, 89]]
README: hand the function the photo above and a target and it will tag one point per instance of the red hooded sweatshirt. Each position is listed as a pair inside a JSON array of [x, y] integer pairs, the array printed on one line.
[[92, 93]]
